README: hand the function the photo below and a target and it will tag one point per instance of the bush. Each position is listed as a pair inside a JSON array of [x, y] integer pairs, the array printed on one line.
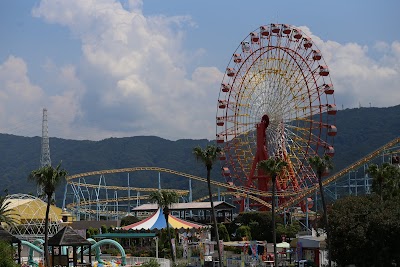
[[6, 252], [144, 251], [243, 232], [111, 251], [223, 232], [151, 263]]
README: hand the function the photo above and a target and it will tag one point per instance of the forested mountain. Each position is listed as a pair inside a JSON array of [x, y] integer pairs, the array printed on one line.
[[360, 131]]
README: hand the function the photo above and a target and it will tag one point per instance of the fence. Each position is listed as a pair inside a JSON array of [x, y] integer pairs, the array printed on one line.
[[133, 261]]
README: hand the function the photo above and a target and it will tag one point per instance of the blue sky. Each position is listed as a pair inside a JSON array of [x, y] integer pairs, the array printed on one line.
[[126, 68]]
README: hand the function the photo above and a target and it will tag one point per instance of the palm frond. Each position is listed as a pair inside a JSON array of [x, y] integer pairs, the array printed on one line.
[[7, 214]]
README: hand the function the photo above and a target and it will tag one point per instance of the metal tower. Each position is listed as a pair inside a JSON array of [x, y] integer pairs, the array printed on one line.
[[45, 151]]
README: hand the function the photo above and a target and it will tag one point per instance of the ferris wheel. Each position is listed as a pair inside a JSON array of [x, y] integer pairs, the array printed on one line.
[[276, 100]]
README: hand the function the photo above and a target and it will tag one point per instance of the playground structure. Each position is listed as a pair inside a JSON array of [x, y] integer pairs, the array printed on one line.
[[36, 246]]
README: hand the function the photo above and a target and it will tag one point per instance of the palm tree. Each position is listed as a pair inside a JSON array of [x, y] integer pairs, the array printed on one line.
[[48, 178], [164, 200], [273, 167], [6, 213], [208, 156], [322, 165], [385, 173]]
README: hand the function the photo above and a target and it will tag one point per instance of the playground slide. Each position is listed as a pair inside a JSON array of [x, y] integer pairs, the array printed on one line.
[[32, 248], [96, 246]]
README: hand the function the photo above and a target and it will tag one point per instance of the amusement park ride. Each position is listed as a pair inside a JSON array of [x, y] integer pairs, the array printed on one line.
[[276, 101]]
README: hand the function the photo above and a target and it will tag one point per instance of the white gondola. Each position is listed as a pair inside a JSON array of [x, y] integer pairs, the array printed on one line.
[[297, 34], [332, 130], [246, 46], [254, 37], [226, 87], [307, 42], [316, 55], [226, 171], [264, 30], [332, 110], [330, 151], [220, 121], [323, 70], [286, 29], [222, 104], [237, 58], [230, 72], [328, 89], [275, 28]]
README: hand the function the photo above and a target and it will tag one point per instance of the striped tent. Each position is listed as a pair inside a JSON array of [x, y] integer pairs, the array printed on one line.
[[157, 221]]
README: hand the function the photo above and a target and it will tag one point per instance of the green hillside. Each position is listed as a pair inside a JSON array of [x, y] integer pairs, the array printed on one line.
[[360, 131]]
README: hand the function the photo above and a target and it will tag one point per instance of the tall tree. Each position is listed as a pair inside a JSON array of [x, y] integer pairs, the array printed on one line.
[[49, 179], [208, 156], [386, 173], [260, 223], [273, 167], [322, 165], [364, 232], [6, 213], [164, 200]]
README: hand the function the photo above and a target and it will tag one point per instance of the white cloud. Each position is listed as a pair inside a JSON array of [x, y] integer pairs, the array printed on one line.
[[360, 78], [21, 101], [145, 65], [17, 93]]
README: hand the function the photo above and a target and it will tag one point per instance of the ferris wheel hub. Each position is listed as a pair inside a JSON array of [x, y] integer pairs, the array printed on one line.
[[265, 120]]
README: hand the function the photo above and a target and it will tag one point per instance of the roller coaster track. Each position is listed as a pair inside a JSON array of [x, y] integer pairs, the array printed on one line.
[[339, 174], [106, 201], [213, 182], [139, 189]]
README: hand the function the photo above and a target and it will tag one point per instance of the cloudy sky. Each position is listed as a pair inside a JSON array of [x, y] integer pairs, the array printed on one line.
[[107, 68]]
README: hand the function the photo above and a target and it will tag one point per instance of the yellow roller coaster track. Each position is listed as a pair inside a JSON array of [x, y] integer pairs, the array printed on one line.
[[339, 174], [220, 184], [139, 189], [106, 201]]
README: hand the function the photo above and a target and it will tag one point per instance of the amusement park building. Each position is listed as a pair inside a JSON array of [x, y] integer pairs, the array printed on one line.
[[29, 214]]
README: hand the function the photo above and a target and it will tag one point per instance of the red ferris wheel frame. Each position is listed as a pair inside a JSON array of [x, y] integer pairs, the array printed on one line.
[[276, 100]]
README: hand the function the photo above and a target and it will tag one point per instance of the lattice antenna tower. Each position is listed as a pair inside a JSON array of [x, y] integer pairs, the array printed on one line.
[[45, 151]]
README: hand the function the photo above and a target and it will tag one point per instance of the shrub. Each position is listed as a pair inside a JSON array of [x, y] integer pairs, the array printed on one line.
[[151, 263], [6, 252]]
